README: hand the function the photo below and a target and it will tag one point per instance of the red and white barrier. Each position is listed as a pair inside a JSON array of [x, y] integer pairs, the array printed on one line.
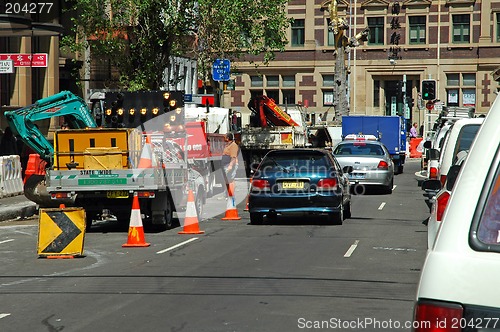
[[11, 180]]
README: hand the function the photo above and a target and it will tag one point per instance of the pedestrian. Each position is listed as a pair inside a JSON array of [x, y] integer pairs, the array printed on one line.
[[8, 145], [234, 121], [413, 131], [230, 158]]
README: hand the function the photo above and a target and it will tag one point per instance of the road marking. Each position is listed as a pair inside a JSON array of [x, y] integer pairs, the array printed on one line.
[[5, 241], [394, 249], [351, 249], [381, 206], [4, 315], [177, 245], [394, 187]]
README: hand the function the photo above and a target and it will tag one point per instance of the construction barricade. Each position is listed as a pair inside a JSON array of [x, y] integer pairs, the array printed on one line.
[[415, 150], [11, 181]]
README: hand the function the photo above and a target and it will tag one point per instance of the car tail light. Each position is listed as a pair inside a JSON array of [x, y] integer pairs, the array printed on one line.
[[383, 165], [442, 178], [433, 173], [329, 183], [258, 184], [437, 317], [441, 202]]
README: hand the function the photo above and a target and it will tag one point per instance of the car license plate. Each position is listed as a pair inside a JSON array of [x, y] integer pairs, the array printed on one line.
[[117, 194], [293, 185], [357, 176]]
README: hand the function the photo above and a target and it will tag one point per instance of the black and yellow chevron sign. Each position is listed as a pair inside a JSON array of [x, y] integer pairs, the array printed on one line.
[[61, 232]]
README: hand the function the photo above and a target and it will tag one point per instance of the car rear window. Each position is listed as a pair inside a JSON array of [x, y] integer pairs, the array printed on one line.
[[487, 230], [357, 149], [296, 160], [466, 137]]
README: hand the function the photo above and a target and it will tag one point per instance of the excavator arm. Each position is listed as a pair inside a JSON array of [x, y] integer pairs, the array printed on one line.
[[23, 121]]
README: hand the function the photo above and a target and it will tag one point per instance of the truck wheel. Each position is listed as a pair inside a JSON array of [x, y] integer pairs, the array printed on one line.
[[256, 218], [165, 217]]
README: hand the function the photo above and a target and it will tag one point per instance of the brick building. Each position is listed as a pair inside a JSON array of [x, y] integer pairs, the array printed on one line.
[[455, 42]]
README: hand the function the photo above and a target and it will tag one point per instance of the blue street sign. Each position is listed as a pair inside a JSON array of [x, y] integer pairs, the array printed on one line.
[[221, 70]]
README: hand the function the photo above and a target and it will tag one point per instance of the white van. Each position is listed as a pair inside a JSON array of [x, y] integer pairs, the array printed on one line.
[[459, 284], [458, 138]]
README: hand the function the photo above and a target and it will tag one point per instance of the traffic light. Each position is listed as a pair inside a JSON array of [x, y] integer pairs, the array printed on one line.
[[429, 89], [409, 102]]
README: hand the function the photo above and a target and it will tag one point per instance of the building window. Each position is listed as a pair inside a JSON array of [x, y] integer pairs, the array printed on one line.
[[256, 81], [461, 89], [298, 32], [289, 81], [273, 81], [328, 80], [376, 26], [327, 98], [376, 93], [288, 96], [417, 29], [256, 93], [498, 27], [461, 28], [469, 79], [331, 36], [274, 95]]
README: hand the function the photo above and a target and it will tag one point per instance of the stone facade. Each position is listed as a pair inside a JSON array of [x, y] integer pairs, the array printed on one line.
[[455, 42]]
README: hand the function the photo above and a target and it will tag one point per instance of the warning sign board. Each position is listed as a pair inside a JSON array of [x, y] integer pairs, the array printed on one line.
[[61, 232]]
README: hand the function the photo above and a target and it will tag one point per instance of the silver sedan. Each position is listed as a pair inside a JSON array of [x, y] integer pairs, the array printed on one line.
[[368, 164]]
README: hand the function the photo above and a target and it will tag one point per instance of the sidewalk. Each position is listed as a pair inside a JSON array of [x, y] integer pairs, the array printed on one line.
[[14, 207]]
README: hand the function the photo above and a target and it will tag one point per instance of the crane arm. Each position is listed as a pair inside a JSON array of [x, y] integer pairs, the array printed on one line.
[[65, 103]]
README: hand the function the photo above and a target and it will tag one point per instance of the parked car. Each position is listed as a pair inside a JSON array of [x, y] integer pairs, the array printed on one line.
[[299, 181], [458, 288], [458, 138], [370, 161], [441, 195]]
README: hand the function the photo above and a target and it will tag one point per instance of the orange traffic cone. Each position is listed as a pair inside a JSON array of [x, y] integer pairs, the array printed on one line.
[[231, 211], [136, 230], [191, 225], [146, 160]]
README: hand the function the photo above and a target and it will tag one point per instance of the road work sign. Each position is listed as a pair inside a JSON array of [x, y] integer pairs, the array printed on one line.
[[61, 232]]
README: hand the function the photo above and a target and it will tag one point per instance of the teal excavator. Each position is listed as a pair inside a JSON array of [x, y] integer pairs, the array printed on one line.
[[23, 124]]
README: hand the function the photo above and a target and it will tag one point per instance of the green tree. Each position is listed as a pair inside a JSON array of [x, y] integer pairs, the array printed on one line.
[[137, 37]]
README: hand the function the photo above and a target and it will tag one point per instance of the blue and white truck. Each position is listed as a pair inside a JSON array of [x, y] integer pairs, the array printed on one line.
[[391, 131]]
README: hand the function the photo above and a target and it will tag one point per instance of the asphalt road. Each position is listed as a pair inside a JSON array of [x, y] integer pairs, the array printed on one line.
[[301, 275]]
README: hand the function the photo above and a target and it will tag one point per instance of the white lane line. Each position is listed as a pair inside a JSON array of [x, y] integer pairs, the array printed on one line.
[[5, 241], [177, 245], [351, 249], [4, 315], [381, 206]]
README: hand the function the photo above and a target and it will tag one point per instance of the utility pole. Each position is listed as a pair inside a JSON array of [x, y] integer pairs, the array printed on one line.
[[343, 44]]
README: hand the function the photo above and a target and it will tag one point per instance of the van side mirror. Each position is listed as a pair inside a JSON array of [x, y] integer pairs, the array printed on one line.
[[452, 176], [347, 169], [427, 144], [433, 185], [434, 154]]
